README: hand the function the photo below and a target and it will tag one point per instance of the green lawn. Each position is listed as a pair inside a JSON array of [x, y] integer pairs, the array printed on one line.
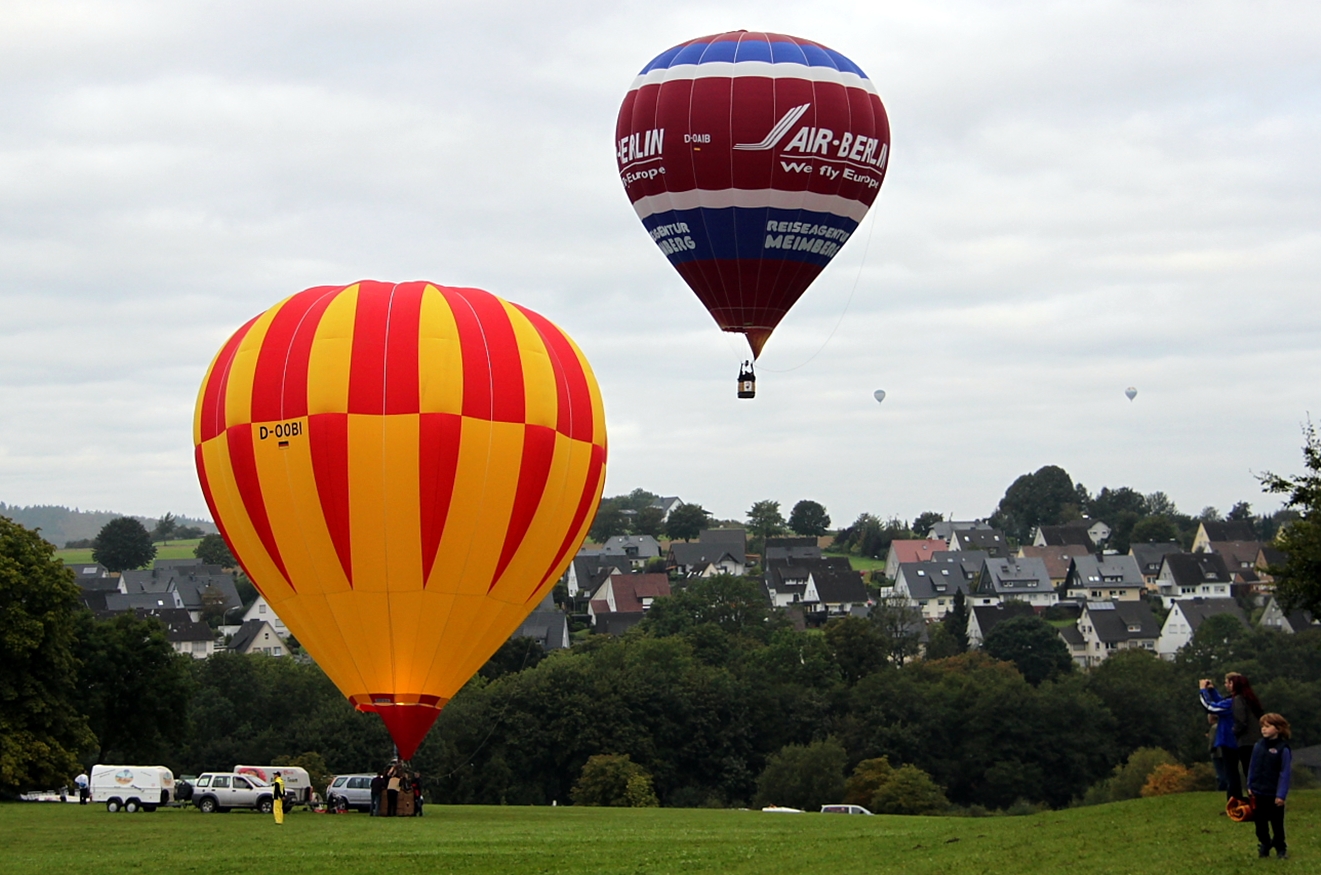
[[1172, 835], [172, 550]]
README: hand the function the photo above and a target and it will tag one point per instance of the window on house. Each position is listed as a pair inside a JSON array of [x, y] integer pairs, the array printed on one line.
[[261, 608], [275, 651]]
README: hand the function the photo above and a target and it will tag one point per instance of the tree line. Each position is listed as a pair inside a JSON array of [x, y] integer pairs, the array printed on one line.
[[714, 699]]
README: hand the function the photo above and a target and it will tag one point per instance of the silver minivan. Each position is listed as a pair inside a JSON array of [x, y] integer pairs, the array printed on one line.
[[347, 792]]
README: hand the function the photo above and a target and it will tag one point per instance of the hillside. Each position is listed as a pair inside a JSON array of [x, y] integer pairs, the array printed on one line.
[[60, 524]]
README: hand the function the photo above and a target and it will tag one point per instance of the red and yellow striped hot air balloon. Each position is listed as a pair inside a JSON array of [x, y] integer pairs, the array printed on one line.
[[403, 471]]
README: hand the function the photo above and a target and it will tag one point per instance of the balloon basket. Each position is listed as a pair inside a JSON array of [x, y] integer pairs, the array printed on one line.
[[747, 381]]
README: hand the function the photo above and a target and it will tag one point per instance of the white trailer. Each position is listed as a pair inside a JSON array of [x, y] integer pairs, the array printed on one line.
[[131, 788], [296, 780]]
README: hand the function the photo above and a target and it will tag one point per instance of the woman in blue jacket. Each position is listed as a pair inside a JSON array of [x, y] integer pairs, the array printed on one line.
[[1224, 743], [1268, 780]]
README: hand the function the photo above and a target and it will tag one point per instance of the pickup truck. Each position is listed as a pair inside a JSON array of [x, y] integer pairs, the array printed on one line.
[[225, 791]]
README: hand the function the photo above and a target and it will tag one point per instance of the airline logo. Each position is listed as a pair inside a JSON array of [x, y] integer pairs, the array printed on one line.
[[777, 133], [850, 147]]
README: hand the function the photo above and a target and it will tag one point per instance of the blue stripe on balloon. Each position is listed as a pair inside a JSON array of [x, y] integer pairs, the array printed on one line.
[[742, 233], [776, 52]]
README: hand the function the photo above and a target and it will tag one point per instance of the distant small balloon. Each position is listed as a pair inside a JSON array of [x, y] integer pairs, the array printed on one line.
[[1131, 393], [880, 395]]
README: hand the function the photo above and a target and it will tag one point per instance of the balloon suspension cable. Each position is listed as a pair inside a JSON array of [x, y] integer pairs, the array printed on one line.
[[494, 726], [840, 321]]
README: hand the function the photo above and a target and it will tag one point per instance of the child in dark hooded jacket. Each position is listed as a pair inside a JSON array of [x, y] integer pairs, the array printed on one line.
[[1268, 781]]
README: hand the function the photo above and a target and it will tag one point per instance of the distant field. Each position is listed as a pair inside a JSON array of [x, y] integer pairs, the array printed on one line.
[[173, 550], [865, 563], [1172, 835]]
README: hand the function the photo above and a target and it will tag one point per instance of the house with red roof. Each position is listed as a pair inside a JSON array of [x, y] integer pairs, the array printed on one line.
[[911, 551], [622, 600]]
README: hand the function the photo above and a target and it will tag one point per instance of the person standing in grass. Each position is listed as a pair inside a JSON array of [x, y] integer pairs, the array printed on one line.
[[277, 798], [1246, 709], [392, 792], [1268, 781], [378, 790], [1224, 743]]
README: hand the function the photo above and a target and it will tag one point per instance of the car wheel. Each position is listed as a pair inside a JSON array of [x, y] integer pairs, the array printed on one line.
[[112, 806], [265, 805], [340, 804], [207, 806], [131, 806]]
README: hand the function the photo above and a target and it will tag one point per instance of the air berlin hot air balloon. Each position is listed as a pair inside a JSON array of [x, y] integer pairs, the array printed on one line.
[[750, 159], [403, 471]]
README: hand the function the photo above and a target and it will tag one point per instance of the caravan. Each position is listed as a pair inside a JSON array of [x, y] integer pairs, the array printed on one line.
[[130, 788]]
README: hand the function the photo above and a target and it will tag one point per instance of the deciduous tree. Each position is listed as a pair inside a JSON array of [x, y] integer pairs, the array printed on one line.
[[686, 522], [765, 519], [1298, 581], [1031, 644], [133, 686], [923, 522], [123, 544], [649, 521], [614, 780], [809, 518], [803, 776], [42, 730], [1046, 497], [165, 528], [213, 550]]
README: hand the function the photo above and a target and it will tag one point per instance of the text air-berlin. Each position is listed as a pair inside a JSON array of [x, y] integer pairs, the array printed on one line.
[[751, 158]]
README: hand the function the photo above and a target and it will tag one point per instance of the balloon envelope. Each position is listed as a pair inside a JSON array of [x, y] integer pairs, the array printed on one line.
[[879, 395], [750, 159], [403, 471], [1131, 393]]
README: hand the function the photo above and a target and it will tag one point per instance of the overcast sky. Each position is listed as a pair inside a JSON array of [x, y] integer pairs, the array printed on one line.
[[1081, 197]]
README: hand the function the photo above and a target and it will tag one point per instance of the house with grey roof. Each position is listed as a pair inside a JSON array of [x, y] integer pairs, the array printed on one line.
[[88, 571], [983, 618], [791, 548], [945, 529], [1274, 617], [1189, 575], [635, 549], [186, 635], [716, 551], [992, 542], [1149, 558], [1107, 576], [1111, 626], [930, 586], [1057, 559], [258, 636], [1186, 615], [1077, 644], [547, 625], [260, 609], [116, 602], [667, 504], [821, 588], [1086, 532], [589, 569], [1014, 579]]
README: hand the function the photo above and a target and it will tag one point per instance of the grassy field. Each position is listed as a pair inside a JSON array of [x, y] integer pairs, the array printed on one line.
[[1171, 835], [172, 550]]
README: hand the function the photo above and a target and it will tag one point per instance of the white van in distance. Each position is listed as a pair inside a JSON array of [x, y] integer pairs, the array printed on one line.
[[131, 788], [297, 782]]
